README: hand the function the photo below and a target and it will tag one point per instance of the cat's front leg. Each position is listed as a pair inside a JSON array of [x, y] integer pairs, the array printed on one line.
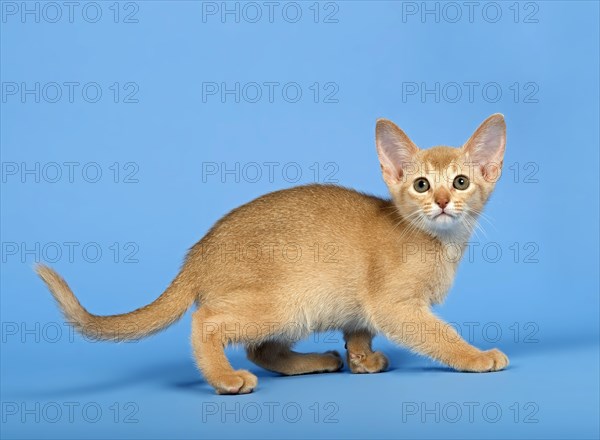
[[415, 326]]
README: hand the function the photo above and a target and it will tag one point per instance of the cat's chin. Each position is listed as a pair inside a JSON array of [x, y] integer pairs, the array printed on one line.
[[444, 226], [443, 221]]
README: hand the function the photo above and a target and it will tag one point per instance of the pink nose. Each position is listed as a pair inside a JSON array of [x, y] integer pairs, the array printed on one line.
[[442, 201]]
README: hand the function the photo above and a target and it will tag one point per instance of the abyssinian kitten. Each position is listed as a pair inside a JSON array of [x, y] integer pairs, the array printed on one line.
[[320, 257]]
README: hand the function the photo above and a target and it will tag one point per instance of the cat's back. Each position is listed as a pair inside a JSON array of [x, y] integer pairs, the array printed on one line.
[[316, 222], [303, 209], [311, 237], [316, 195]]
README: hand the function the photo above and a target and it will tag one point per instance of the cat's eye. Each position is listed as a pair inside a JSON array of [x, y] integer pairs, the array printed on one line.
[[461, 182], [421, 185]]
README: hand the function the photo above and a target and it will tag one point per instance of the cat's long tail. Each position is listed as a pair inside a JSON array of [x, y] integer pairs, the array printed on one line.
[[164, 311]]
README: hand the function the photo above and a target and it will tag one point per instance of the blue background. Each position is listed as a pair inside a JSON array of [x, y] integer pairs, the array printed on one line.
[[550, 209]]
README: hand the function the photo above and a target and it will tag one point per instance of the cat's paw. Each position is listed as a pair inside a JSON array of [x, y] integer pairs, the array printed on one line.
[[335, 362], [490, 360], [367, 362], [238, 382]]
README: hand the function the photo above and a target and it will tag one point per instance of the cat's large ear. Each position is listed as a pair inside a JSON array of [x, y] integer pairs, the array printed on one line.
[[395, 150], [486, 146]]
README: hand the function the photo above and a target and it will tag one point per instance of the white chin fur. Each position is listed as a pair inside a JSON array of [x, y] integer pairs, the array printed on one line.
[[444, 225], [444, 221]]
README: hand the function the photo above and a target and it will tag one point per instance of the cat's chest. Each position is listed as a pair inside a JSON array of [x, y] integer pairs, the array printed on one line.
[[440, 281]]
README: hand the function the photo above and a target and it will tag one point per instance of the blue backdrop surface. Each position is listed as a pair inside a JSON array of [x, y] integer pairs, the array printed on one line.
[[129, 128]]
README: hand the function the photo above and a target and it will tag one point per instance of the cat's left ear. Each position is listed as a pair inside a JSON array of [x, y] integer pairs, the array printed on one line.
[[486, 146]]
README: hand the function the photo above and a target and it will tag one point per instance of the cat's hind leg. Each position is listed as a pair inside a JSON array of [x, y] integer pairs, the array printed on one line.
[[209, 338], [278, 357], [361, 357]]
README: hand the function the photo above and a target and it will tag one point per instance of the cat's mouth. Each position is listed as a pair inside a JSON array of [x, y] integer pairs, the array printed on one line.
[[443, 216]]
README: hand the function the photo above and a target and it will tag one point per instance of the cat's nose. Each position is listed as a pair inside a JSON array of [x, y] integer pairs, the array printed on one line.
[[442, 201], [442, 197]]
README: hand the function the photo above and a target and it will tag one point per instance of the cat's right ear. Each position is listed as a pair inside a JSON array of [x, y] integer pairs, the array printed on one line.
[[395, 150]]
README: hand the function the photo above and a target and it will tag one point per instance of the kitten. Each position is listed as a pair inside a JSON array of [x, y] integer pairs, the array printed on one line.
[[321, 257]]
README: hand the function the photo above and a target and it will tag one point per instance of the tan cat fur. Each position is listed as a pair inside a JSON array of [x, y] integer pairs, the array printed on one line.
[[322, 257]]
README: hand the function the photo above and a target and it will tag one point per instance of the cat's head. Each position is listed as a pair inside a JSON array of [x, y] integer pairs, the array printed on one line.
[[441, 190]]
